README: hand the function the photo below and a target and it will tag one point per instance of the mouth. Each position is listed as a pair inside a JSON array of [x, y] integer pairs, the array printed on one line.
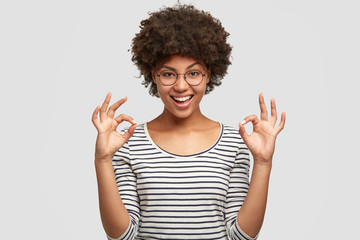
[[182, 101]]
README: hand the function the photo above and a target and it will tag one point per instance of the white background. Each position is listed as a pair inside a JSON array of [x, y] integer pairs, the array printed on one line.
[[58, 59]]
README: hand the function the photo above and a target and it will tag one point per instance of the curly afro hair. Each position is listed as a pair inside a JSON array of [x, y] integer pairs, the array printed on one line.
[[183, 30]]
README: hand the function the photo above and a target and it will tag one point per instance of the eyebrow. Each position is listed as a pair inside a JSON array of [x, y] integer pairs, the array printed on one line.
[[173, 69]]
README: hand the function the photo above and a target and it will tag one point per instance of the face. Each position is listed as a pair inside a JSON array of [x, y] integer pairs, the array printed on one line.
[[181, 100]]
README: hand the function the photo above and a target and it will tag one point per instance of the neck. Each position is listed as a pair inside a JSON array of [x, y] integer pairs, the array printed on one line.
[[169, 121]]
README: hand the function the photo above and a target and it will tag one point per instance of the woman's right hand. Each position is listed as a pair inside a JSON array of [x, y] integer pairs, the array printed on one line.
[[109, 140]]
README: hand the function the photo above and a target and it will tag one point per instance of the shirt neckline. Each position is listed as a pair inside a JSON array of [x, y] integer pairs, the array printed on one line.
[[184, 156]]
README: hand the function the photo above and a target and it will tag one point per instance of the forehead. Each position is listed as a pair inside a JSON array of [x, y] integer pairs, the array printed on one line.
[[178, 62]]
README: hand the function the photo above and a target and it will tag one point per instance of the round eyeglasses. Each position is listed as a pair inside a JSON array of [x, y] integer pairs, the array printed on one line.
[[192, 77]]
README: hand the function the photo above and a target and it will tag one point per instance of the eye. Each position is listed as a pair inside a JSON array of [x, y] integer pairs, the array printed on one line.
[[193, 73], [167, 74]]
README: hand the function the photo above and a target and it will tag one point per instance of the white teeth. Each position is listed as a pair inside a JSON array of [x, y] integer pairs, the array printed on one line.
[[182, 99]]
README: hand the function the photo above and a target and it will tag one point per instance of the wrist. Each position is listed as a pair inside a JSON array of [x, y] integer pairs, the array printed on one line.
[[261, 170], [103, 161], [266, 165]]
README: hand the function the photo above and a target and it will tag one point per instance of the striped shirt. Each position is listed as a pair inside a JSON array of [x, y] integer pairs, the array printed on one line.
[[171, 196]]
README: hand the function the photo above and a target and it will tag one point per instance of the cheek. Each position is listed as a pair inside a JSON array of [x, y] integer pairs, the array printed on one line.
[[208, 79], [206, 83], [163, 92], [203, 87]]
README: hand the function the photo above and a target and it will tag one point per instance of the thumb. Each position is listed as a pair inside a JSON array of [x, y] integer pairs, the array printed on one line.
[[127, 135], [243, 132]]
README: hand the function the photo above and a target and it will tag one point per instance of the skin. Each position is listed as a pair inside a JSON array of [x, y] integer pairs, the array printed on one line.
[[183, 131], [114, 216], [261, 143]]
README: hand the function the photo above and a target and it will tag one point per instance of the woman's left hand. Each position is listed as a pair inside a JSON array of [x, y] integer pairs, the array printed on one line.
[[261, 142]]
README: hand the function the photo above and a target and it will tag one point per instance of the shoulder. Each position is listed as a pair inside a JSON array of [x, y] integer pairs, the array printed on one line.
[[138, 134], [230, 131], [231, 134], [139, 130], [139, 137]]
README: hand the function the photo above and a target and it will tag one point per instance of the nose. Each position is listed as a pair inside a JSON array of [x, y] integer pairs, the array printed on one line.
[[181, 85]]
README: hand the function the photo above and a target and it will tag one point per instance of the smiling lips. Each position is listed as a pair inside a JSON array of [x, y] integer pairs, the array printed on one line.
[[182, 101]]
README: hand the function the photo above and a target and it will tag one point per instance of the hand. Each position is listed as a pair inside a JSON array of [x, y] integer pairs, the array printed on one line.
[[109, 140], [261, 142]]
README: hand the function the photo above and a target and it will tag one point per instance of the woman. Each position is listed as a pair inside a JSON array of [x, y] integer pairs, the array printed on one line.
[[182, 175]]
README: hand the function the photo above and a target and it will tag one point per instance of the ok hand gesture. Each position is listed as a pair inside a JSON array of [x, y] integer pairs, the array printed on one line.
[[261, 142], [109, 140]]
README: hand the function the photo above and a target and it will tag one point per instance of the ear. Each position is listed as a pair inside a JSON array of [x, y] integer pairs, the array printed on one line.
[[208, 76], [153, 76]]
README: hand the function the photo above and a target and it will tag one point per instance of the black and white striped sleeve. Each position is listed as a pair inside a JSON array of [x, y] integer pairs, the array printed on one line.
[[126, 183], [237, 191]]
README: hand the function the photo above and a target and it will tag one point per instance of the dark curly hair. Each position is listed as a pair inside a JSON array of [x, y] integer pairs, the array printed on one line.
[[184, 30]]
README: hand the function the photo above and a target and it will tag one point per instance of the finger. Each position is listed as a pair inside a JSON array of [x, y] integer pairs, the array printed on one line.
[[263, 110], [129, 132], [281, 124], [243, 132], [115, 106], [104, 106], [123, 117], [94, 118], [273, 117], [253, 118]]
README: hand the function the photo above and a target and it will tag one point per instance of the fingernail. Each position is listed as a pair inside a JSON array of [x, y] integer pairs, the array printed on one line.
[[243, 122]]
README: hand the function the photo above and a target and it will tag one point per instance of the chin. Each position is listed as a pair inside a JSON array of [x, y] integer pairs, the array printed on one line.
[[181, 114]]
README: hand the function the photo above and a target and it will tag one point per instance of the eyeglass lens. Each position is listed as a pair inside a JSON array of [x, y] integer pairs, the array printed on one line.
[[193, 77]]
